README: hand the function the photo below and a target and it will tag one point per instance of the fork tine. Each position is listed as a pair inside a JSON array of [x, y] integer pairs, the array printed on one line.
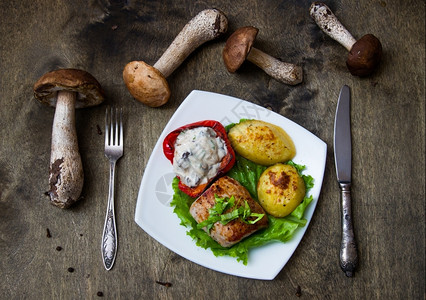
[[106, 128], [113, 130], [116, 128], [121, 127]]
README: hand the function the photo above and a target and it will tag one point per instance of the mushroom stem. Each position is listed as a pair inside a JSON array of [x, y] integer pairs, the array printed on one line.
[[66, 170], [205, 26], [329, 23], [284, 72]]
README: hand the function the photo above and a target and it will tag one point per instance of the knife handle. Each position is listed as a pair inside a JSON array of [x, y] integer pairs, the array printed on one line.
[[348, 248]]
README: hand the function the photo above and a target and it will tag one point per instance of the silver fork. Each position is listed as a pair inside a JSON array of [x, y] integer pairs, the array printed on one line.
[[113, 151]]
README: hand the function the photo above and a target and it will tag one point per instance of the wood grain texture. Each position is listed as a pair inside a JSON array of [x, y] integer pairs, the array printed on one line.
[[388, 135]]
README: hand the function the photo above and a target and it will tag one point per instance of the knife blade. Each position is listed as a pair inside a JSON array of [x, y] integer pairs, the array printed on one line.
[[343, 162]]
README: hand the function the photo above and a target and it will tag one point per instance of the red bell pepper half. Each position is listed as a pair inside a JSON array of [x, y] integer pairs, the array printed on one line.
[[226, 163]]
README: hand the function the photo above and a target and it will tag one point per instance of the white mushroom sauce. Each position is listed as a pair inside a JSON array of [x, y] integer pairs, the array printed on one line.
[[197, 156]]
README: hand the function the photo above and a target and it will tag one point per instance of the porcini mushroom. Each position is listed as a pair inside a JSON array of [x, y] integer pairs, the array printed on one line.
[[66, 89], [239, 47], [364, 54], [147, 83]]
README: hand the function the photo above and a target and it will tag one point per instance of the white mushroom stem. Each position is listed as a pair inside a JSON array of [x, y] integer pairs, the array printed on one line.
[[277, 69], [205, 26], [328, 22], [66, 170]]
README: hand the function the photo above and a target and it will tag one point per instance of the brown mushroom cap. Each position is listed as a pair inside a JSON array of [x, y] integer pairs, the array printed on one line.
[[364, 56], [146, 83], [89, 91], [238, 46]]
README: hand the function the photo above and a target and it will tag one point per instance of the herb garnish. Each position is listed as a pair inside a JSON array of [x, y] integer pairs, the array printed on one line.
[[217, 213]]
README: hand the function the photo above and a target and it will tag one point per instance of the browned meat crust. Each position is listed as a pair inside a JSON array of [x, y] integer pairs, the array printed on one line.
[[233, 232]]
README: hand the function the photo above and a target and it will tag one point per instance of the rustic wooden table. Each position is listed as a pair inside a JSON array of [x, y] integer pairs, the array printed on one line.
[[50, 253]]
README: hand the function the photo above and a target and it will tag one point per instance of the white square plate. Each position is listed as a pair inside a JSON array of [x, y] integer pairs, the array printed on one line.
[[155, 215]]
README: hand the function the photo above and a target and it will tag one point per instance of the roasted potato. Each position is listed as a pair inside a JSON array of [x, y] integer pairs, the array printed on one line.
[[280, 190], [261, 142]]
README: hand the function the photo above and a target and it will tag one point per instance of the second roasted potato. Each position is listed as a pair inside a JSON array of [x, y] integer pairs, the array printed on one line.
[[261, 142], [280, 190]]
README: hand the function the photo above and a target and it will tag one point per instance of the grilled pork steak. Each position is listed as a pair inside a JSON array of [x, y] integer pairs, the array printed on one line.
[[234, 231]]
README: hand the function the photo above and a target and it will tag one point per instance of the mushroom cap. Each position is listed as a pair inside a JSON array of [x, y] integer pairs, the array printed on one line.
[[89, 91], [238, 46], [364, 56], [146, 83]]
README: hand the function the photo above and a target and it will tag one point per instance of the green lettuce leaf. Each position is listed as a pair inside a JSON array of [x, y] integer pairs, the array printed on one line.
[[228, 127], [247, 173]]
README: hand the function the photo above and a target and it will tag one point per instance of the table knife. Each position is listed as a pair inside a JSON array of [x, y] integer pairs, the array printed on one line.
[[343, 161]]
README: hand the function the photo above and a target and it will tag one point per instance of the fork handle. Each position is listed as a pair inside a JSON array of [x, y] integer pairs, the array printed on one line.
[[109, 236]]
